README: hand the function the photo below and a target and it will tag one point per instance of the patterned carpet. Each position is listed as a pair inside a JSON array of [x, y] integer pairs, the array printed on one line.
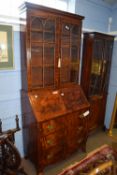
[[95, 159]]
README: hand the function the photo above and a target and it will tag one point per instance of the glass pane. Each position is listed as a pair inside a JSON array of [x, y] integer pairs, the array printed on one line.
[[50, 26], [37, 23], [36, 36], [65, 55], [49, 34], [98, 49], [37, 29], [70, 33], [36, 55], [49, 55], [65, 64], [49, 37], [69, 53], [108, 50], [48, 76], [37, 76], [69, 74], [74, 73], [106, 65], [75, 34], [65, 33], [75, 30], [96, 68], [66, 28], [42, 51], [95, 84], [74, 54], [65, 74]]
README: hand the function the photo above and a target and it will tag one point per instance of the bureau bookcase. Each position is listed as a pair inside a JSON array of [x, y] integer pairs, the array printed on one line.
[[56, 125]]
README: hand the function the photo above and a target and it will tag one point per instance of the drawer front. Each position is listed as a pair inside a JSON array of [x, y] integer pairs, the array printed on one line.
[[76, 127], [52, 126], [74, 133], [74, 145], [76, 118], [75, 124], [52, 155], [62, 136], [52, 139]]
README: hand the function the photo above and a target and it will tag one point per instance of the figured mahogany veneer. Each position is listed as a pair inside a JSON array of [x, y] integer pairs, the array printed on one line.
[[57, 125], [52, 103], [54, 106]]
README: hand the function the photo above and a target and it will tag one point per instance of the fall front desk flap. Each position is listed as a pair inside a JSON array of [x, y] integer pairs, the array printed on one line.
[[49, 103]]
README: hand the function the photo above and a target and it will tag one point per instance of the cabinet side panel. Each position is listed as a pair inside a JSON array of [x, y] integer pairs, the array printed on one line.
[[30, 130]]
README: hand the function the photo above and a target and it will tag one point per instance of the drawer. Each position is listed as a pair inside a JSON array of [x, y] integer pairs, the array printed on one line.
[[74, 144], [77, 117], [73, 137], [52, 125], [53, 155], [79, 131], [51, 140]]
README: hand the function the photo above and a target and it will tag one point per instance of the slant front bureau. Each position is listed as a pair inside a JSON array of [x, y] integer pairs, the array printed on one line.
[[55, 125]]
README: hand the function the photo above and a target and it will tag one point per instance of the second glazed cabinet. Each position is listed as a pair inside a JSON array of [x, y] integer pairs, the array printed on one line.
[[97, 56]]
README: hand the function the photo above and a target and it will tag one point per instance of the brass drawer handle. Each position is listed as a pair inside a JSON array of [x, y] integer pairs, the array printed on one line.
[[80, 140], [50, 127], [80, 128], [85, 114], [49, 156], [49, 142], [81, 116]]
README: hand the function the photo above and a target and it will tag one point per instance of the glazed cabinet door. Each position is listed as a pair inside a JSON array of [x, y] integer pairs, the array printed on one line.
[[69, 51], [96, 73], [54, 51], [100, 66], [42, 51]]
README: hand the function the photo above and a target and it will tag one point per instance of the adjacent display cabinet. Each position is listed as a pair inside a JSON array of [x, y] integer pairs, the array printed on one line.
[[97, 55], [56, 124]]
